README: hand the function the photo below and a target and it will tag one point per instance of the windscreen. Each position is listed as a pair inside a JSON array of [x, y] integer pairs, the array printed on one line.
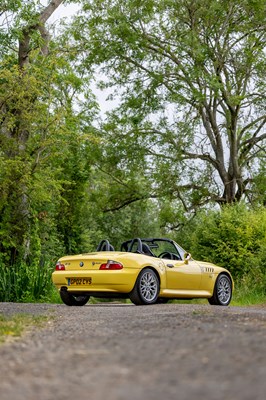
[[159, 247]]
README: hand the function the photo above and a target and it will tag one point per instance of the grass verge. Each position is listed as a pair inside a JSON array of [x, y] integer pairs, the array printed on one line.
[[248, 299], [250, 289], [16, 325]]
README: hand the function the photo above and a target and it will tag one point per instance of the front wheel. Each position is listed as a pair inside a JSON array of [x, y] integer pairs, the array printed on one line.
[[146, 289], [222, 293], [70, 300]]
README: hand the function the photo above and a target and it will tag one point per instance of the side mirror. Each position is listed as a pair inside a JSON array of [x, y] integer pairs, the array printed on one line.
[[187, 257]]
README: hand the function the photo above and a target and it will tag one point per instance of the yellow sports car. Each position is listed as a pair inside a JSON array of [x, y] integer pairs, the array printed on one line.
[[147, 271]]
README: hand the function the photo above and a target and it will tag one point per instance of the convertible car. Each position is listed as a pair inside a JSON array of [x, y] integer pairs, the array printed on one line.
[[147, 271]]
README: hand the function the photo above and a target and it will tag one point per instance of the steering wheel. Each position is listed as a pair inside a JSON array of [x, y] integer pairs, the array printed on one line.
[[104, 245], [166, 254], [139, 245]]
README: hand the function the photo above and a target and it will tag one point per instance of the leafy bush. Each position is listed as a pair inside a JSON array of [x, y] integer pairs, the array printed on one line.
[[234, 238], [23, 283]]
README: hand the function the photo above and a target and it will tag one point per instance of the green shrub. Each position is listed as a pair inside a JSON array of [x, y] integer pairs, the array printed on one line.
[[24, 283], [251, 288], [234, 238]]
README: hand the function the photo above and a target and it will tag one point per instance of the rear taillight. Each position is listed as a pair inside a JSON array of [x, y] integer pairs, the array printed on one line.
[[60, 267], [111, 265]]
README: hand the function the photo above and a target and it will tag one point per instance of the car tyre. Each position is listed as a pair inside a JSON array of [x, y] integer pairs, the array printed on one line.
[[222, 292], [162, 300], [71, 300], [146, 289]]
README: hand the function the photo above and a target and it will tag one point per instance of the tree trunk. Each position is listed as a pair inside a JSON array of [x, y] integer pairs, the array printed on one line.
[[16, 138]]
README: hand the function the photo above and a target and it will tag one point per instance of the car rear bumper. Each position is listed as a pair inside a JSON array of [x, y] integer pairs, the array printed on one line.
[[96, 280]]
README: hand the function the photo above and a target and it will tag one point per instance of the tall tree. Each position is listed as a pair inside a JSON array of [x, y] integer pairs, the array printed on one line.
[[42, 142], [190, 81]]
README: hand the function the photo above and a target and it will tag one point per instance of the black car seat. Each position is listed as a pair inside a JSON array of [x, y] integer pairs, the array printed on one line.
[[146, 250], [105, 245]]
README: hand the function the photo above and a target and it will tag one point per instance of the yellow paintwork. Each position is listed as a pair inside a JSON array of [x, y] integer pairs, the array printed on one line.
[[178, 279]]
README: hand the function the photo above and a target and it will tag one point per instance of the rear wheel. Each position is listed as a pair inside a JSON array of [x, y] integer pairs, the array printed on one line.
[[71, 300], [146, 289], [222, 293]]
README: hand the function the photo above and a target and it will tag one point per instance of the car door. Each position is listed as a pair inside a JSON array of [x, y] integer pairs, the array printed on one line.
[[182, 276]]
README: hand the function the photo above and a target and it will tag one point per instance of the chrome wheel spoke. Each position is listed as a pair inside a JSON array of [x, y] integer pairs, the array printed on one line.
[[224, 290], [148, 286]]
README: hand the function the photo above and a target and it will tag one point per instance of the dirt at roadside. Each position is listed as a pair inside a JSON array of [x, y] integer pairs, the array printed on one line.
[[121, 351]]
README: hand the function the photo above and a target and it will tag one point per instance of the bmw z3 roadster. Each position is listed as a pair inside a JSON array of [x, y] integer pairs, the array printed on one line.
[[147, 271]]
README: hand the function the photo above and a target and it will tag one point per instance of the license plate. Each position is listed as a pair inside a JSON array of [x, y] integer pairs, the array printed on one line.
[[79, 281]]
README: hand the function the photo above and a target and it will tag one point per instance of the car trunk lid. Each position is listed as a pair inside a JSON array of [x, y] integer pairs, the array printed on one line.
[[92, 261]]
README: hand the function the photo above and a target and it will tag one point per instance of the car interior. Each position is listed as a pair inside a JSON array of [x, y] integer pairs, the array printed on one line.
[[161, 248]]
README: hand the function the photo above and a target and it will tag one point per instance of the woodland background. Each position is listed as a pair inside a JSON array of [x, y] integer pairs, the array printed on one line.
[[180, 154]]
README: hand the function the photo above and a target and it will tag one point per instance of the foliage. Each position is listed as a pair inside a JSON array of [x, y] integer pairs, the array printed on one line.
[[188, 130], [233, 238], [251, 288], [44, 148], [136, 220], [189, 80], [26, 283]]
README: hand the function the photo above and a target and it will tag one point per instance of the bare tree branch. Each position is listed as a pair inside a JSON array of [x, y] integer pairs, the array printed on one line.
[[250, 125]]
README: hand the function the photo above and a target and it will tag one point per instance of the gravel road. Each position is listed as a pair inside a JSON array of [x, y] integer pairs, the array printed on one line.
[[124, 352]]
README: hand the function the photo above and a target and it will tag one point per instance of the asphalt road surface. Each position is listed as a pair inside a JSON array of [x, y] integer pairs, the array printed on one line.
[[124, 352]]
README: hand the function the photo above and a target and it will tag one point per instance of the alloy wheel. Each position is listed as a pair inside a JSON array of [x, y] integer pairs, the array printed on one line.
[[224, 290], [148, 286]]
